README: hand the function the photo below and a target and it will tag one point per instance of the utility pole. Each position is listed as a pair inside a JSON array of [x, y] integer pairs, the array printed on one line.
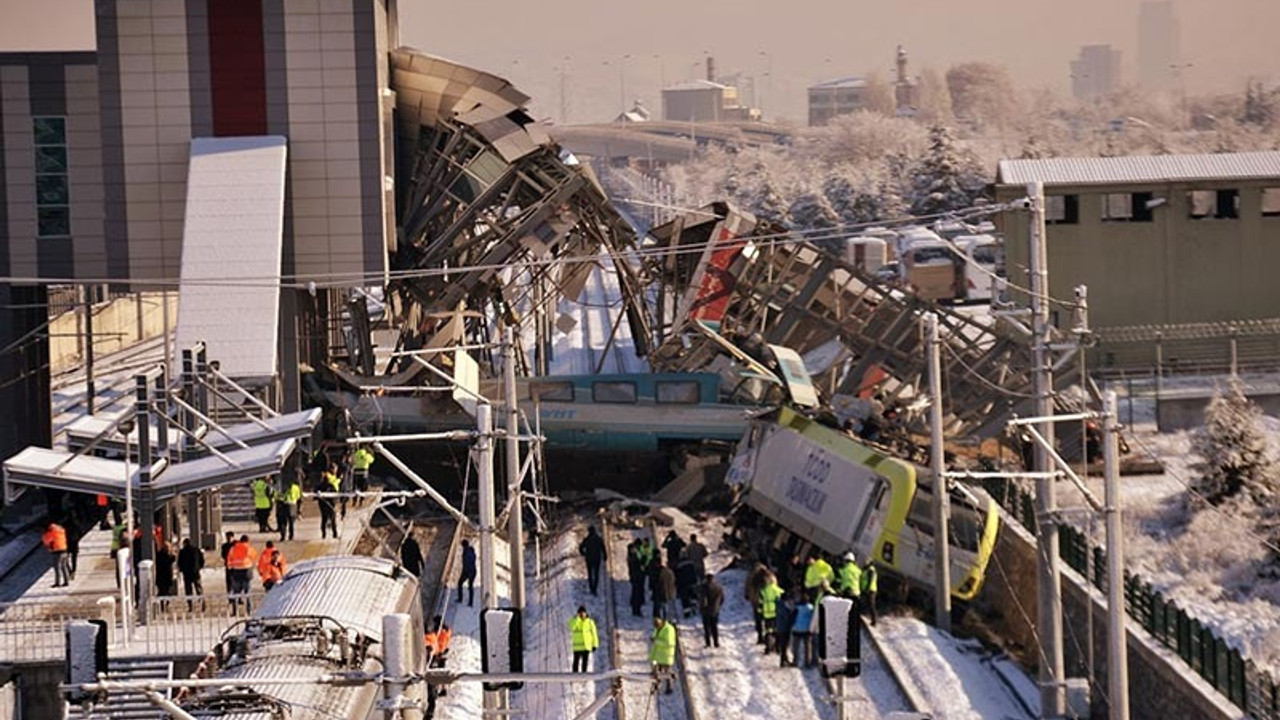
[[941, 501], [88, 349], [1117, 652], [484, 461], [515, 527], [1049, 604]]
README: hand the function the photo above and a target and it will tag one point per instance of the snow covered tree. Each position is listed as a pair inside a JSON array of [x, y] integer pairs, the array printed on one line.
[[810, 211], [1237, 460], [945, 179]]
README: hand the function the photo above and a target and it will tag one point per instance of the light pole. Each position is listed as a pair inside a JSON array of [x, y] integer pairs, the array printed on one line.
[[768, 78], [622, 80]]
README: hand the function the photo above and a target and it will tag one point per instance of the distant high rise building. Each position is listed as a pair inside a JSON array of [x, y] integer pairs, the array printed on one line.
[[1159, 54], [1095, 73]]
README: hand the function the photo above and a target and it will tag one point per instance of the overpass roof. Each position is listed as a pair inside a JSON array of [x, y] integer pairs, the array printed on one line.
[[62, 470], [1141, 169]]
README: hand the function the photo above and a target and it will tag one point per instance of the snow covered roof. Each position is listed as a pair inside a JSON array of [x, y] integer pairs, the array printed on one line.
[[1141, 169], [848, 82], [696, 85]]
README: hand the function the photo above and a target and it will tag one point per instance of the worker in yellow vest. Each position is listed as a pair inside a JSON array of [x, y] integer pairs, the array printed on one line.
[[582, 631], [361, 460], [262, 500], [662, 652]]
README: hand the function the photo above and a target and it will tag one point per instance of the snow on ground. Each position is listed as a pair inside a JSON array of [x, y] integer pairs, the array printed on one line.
[[1208, 566], [954, 678], [739, 680], [641, 699], [554, 594], [465, 699]]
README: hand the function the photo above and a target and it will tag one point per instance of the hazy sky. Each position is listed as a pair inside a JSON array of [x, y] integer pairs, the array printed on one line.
[[794, 42]]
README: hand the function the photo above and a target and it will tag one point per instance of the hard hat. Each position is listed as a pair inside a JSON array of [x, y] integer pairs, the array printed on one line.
[[850, 557]]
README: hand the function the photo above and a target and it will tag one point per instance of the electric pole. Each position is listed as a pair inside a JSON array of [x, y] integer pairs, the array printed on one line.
[[488, 582], [1049, 605], [941, 501], [515, 527], [1117, 652]]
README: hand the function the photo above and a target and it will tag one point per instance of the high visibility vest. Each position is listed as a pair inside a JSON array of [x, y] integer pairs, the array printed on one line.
[[55, 538], [273, 572], [335, 485], [769, 596], [850, 579], [361, 460], [583, 632], [870, 579], [663, 651], [817, 573], [117, 536], [264, 562], [438, 641], [293, 494], [242, 556], [261, 494]]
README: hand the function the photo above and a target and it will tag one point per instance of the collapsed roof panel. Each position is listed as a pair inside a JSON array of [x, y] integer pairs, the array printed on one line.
[[486, 207], [792, 293]]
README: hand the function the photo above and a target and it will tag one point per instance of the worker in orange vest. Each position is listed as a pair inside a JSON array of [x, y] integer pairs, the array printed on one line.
[[272, 566], [437, 642], [55, 540], [240, 561]]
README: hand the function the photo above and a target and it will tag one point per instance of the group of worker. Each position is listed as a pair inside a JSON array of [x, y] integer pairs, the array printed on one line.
[[239, 559], [326, 479], [786, 619]]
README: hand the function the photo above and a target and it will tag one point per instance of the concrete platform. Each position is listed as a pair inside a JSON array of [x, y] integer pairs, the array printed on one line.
[[31, 628]]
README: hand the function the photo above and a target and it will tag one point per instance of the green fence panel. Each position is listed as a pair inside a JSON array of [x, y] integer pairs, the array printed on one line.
[[1235, 680], [1100, 569], [1220, 652], [1196, 646]]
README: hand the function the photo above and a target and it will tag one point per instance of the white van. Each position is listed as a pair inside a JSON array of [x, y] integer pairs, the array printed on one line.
[[983, 259], [868, 254]]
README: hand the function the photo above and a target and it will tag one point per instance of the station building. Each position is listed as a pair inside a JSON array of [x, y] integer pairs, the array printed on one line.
[[99, 186]]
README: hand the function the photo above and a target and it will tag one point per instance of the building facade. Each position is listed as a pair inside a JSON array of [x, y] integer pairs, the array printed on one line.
[[1095, 73], [835, 98], [95, 149], [1163, 240]]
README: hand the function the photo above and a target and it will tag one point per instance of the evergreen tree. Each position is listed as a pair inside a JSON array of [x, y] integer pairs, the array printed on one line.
[[1237, 461], [945, 180], [810, 211]]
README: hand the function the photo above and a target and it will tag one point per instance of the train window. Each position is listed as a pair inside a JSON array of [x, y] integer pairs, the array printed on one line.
[[684, 392], [613, 392], [920, 514], [552, 391], [966, 527]]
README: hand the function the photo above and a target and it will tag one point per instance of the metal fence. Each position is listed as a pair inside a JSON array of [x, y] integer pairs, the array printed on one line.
[[35, 631], [1254, 690]]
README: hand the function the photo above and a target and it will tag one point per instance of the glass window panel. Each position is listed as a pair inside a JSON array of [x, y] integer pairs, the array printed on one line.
[[50, 130], [680, 393], [1271, 202], [52, 190], [556, 392], [1200, 203], [613, 392], [51, 160], [1117, 206], [53, 221]]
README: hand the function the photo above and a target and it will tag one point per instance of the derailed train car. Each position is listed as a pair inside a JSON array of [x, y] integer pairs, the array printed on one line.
[[842, 495], [324, 618]]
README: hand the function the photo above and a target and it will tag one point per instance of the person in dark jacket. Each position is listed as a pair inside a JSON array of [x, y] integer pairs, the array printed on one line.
[[710, 601], [674, 545], [783, 622], [166, 581], [190, 563], [636, 575], [662, 585], [468, 575], [411, 554], [687, 586], [592, 548], [226, 549], [697, 554]]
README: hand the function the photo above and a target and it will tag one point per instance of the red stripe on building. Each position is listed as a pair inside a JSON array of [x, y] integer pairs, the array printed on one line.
[[237, 66]]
